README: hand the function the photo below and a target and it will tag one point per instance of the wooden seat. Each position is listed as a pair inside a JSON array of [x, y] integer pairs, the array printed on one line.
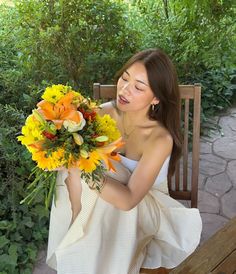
[[184, 184]]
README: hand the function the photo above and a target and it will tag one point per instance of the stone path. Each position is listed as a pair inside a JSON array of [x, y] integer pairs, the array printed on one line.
[[217, 181], [217, 184]]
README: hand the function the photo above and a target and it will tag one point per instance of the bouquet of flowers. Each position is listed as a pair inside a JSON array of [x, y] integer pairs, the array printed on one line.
[[66, 131]]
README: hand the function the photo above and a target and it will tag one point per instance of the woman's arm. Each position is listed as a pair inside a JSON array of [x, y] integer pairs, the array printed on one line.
[[125, 197], [74, 187]]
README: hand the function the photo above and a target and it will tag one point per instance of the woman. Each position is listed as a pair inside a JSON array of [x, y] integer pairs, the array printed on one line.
[[132, 223]]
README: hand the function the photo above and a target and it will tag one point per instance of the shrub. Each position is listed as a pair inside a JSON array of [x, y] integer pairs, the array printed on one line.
[[44, 42], [76, 42], [23, 230], [199, 36]]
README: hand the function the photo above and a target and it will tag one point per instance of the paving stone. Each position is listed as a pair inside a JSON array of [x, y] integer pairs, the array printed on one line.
[[210, 164], [41, 267], [44, 269], [232, 111], [205, 147], [42, 256], [229, 204], [218, 184], [231, 171], [225, 147], [228, 125], [211, 224], [201, 181], [213, 135], [208, 203], [213, 129]]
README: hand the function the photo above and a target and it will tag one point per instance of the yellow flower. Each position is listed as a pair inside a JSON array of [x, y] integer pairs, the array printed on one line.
[[89, 164], [78, 98], [56, 159], [32, 132], [107, 126], [54, 93]]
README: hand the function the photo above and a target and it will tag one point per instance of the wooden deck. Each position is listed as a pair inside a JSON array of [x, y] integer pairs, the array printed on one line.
[[216, 256]]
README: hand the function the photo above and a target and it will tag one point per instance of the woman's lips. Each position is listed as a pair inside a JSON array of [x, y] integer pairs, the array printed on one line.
[[122, 100]]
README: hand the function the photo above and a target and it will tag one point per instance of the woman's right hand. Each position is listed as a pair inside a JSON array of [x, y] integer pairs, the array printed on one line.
[[74, 187]]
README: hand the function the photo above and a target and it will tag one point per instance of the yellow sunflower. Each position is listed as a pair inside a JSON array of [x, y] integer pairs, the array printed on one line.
[[89, 164], [56, 159]]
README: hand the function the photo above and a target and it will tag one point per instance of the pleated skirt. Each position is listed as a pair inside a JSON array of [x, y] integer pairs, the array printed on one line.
[[158, 232]]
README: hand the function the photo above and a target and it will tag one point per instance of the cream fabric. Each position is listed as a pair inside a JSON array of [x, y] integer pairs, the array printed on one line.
[[105, 240]]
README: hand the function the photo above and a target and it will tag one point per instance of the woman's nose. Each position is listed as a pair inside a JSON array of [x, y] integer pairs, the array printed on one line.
[[126, 88]]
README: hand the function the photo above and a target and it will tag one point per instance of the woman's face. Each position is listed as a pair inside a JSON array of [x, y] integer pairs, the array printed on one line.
[[133, 89]]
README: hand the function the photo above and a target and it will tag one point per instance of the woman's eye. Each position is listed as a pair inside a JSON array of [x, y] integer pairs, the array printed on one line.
[[139, 89]]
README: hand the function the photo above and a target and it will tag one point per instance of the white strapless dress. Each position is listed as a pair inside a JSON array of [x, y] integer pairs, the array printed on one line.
[[159, 231]]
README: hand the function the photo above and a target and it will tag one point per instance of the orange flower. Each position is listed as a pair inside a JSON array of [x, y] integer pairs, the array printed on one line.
[[64, 109], [107, 153]]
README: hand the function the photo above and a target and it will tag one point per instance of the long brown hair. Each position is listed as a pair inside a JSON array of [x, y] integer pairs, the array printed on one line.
[[163, 81]]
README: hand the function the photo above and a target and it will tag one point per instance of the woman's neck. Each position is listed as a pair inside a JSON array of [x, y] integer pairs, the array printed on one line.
[[135, 118]]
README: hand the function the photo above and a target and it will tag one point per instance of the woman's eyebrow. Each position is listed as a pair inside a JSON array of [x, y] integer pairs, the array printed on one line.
[[137, 80], [142, 82]]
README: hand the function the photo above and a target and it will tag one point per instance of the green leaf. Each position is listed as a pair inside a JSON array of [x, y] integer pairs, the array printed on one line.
[[3, 241], [13, 254]]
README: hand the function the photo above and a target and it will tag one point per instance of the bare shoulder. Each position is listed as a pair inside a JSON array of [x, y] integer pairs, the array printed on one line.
[[107, 108], [160, 140]]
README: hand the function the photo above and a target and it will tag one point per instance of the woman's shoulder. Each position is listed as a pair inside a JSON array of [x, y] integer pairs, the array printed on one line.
[[160, 136], [108, 108]]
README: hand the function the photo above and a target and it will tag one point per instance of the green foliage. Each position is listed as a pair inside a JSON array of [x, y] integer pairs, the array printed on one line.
[[73, 41], [22, 230], [42, 43], [200, 38]]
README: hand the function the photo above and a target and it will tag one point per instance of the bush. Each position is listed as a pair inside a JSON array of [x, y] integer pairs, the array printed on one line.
[[76, 42], [23, 230], [199, 36], [45, 42]]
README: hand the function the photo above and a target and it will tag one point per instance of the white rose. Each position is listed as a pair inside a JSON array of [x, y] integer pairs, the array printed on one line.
[[72, 126]]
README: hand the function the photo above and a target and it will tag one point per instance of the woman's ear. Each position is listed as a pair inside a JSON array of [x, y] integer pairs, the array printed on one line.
[[155, 101]]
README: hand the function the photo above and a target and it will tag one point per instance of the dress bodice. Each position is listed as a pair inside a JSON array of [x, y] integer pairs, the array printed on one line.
[[162, 176]]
